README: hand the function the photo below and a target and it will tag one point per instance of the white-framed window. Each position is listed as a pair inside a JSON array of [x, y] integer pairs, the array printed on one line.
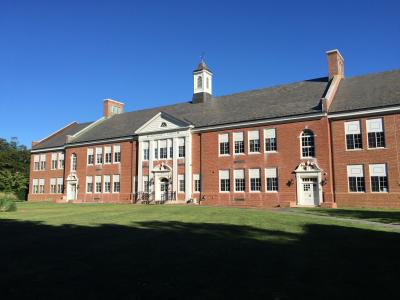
[[271, 181], [36, 163], [99, 155], [89, 184], [376, 135], [35, 185], [107, 154], [73, 162], [60, 185], [307, 144], [116, 184], [240, 182], [224, 181], [97, 181], [254, 141], [352, 130], [181, 180], [146, 184], [181, 147], [255, 180], [41, 185], [61, 161], [53, 185], [238, 141], [171, 148], [199, 82], [355, 177], [270, 139], [117, 154], [379, 181], [155, 143], [90, 156], [43, 162], [145, 146], [196, 183], [54, 161], [162, 144], [223, 144], [107, 183]]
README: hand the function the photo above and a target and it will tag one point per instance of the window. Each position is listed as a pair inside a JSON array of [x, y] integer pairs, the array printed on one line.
[[271, 180], [379, 182], [207, 83], [181, 179], [254, 141], [270, 139], [99, 156], [35, 185], [355, 175], [53, 186], [61, 160], [240, 184], [171, 149], [117, 153], [163, 149], [238, 142], [60, 185], [97, 180], [115, 109], [54, 161], [255, 180], [145, 150], [196, 181], [353, 135], [89, 184], [36, 163], [107, 155], [155, 149], [90, 156], [224, 144], [107, 183], [116, 184], [307, 144], [181, 144], [41, 186], [376, 136], [224, 182], [163, 124], [73, 162], [43, 162], [146, 187], [199, 82]]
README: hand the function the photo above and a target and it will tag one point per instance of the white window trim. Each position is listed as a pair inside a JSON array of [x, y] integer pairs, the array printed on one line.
[[219, 179], [265, 179], [250, 191], [301, 145], [112, 183], [234, 181], [370, 177]]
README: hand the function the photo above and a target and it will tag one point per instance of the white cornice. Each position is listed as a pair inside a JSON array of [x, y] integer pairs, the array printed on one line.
[[363, 112]]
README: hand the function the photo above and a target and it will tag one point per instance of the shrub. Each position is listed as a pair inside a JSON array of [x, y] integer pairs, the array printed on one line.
[[7, 204], [5, 195]]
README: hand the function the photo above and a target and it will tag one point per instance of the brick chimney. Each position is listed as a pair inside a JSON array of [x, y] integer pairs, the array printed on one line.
[[335, 63], [112, 107]]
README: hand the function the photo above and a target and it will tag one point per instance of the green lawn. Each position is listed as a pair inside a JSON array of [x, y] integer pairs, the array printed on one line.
[[69, 251]]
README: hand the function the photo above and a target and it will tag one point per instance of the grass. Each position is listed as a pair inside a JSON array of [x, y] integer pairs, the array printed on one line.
[[374, 215], [96, 251]]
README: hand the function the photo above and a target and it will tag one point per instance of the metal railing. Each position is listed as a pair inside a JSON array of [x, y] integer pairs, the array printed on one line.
[[150, 198]]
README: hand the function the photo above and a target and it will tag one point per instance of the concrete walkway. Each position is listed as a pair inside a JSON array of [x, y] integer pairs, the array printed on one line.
[[293, 211]]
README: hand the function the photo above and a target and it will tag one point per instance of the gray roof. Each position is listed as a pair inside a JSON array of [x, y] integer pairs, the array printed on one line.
[[281, 101], [370, 91], [58, 139]]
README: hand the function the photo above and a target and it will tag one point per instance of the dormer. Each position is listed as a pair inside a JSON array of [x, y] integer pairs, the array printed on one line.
[[202, 83]]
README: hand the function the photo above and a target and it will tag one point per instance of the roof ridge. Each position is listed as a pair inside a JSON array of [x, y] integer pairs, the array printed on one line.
[[372, 74]]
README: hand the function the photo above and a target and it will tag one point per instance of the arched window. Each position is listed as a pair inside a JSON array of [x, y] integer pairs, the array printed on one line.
[[207, 83], [199, 82], [307, 144], [73, 162]]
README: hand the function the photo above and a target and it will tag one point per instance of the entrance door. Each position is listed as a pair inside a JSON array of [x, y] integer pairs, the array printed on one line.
[[164, 189], [71, 192], [310, 191]]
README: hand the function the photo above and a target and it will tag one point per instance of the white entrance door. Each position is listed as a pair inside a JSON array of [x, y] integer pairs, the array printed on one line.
[[71, 192], [164, 189], [310, 191]]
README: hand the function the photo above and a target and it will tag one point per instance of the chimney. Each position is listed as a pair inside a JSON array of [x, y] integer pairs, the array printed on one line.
[[335, 64], [112, 107]]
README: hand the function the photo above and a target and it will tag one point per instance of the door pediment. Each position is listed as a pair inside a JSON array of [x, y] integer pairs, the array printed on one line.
[[162, 122], [307, 167]]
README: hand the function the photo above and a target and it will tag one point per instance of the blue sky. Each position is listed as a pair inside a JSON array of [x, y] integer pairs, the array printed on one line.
[[60, 59]]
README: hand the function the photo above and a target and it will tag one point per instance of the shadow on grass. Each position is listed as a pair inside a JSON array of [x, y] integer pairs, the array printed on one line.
[[389, 217], [175, 260]]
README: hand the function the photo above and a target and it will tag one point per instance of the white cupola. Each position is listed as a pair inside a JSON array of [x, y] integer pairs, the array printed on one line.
[[202, 83]]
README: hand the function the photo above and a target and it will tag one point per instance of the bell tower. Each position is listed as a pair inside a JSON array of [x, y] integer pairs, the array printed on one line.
[[202, 83]]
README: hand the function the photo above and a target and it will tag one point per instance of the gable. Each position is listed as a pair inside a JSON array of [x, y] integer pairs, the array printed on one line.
[[162, 122]]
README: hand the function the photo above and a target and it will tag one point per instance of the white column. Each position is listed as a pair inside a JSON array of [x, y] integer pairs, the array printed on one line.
[[175, 165], [140, 168], [188, 166]]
